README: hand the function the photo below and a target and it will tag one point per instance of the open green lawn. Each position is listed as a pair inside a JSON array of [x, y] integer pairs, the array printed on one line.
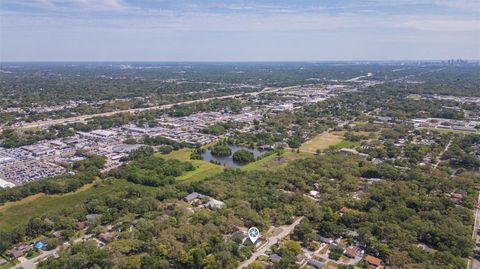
[[274, 162], [19, 213], [7, 265], [321, 142], [348, 144], [203, 169]]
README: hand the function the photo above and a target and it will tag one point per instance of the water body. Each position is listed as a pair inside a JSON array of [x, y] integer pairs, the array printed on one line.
[[228, 161]]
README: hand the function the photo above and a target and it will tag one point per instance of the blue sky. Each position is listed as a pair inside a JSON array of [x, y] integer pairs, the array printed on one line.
[[248, 30]]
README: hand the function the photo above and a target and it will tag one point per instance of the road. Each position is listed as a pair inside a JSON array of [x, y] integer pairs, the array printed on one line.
[[441, 154], [474, 263], [83, 118], [32, 263], [312, 254], [286, 230]]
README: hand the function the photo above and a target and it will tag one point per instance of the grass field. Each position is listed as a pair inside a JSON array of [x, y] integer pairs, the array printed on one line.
[[321, 142], [18, 213], [32, 198], [273, 162], [348, 144], [7, 265], [203, 169]]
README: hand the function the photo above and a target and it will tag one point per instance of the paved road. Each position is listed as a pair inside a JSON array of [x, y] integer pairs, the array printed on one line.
[[311, 255], [286, 230], [83, 118]]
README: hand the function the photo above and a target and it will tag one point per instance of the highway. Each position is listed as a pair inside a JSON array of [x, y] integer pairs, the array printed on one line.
[[47, 123], [286, 230]]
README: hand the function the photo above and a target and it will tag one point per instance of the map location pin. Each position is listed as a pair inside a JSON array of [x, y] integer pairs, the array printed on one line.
[[253, 234]]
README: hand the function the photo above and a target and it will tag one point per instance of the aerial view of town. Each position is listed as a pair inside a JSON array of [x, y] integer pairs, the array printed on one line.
[[242, 163]]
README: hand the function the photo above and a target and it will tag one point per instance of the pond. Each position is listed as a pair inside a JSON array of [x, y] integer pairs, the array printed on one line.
[[228, 161]]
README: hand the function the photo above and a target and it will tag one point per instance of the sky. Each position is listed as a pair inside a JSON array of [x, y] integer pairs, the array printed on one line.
[[238, 30]]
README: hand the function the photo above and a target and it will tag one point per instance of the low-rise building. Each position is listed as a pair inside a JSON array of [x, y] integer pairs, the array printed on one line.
[[19, 251], [316, 263], [375, 262], [275, 258]]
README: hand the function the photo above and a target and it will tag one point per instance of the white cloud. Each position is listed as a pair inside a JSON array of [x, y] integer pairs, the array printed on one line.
[[73, 5], [441, 24]]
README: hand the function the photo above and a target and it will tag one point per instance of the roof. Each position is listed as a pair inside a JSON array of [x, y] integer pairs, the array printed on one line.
[[106, 236], [373, 260], [324, 239], [192, 196], [315, 263], [457, 195], [81, 225], [351, 251], [300, 257], [214, 203], [274, 258]]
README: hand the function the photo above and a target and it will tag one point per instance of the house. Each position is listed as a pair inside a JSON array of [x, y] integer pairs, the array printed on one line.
[[373, 261], [314, 193], [193, 196], [275, 258], [344, 210], [57, 234], [324, 239], [331, 267], [457, 198], [214, 203], [241, 236], [300, 258], [351, 252], [81, 225], [19, 251], [315, 263], [425, 248], [106, 237], [211, 203], [93, 217]]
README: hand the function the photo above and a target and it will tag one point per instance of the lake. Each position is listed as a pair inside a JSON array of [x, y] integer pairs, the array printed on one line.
[[228, 161]]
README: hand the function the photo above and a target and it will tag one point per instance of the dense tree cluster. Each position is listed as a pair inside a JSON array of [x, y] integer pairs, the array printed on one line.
[[148, 169], [221, 150], [243, 156]]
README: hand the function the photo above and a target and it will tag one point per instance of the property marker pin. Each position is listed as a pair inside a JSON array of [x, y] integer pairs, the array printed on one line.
[[253, 234]]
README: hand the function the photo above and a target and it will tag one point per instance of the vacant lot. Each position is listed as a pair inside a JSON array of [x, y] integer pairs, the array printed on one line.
[[18, 213], [321, 142], [275, 162]]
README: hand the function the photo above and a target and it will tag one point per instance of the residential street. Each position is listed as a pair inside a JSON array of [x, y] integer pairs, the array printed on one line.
[[32, 263], [286, 230], [474, 263], [441, 154], [311, 254]]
